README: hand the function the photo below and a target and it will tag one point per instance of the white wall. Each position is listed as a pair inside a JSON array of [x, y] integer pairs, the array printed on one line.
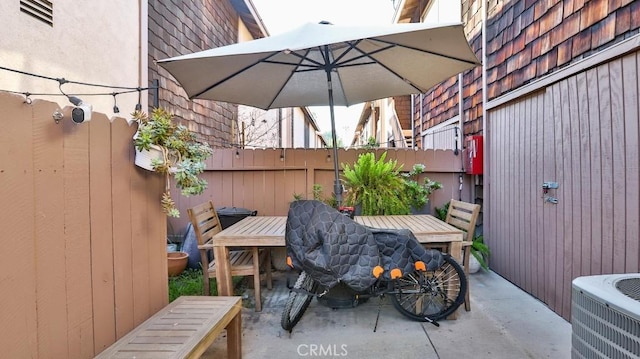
[[444, 11], [90, 41]]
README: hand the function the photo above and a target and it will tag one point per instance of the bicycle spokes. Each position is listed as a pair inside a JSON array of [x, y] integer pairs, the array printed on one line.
[[430, 295]]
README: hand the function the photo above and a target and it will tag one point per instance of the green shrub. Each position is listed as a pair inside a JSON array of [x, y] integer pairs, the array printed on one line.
[[481, 251], [441, 212], [376, 185], [418, 193], [188, 283]]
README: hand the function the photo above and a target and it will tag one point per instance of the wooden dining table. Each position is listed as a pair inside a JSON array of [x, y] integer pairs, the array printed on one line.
[[269, 231]]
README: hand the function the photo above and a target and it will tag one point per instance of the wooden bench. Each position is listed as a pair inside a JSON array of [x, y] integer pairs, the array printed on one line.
[[183, 329]]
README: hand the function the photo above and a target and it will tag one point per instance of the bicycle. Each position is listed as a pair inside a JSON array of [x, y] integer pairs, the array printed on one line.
[[422, 295]]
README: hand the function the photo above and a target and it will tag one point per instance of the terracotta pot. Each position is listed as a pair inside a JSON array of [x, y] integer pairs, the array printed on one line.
[[177, 262]]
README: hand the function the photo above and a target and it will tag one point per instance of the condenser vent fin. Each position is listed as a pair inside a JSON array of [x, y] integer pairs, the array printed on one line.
[[38, 9]]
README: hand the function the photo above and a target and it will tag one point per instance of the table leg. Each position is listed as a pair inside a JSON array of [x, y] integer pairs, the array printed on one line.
[[223, 270], [234, 337], [455, 249]]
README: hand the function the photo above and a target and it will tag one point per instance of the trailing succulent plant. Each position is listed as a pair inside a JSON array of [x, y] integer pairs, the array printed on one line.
[[183, 155]]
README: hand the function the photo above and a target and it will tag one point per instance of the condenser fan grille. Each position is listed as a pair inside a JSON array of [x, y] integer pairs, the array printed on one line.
[[629, 287]]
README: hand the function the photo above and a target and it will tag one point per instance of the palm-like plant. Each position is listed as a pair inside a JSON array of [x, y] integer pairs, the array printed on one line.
[[376, 185], [480, 251]]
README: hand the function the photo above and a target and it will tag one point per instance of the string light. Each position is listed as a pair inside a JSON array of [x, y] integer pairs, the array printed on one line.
[[115, 104], [139, 105], [73, 97]]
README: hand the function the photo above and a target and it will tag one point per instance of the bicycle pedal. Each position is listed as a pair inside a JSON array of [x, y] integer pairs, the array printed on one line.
[[420, 266], [396, 273]]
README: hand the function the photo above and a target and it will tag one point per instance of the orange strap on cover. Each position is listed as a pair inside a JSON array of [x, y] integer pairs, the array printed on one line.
[[396, 273]]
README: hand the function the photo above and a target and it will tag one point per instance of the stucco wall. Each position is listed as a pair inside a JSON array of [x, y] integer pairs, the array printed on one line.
[[92, 41]]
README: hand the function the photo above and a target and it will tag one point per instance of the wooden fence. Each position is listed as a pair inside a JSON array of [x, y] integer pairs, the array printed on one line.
[[83, 235], [266, 180]]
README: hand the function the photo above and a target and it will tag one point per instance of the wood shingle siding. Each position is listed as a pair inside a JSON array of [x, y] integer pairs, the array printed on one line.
[[530, 39], [182, 28]]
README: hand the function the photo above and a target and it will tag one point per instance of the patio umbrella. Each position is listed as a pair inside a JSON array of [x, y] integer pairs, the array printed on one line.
[[324, 64]]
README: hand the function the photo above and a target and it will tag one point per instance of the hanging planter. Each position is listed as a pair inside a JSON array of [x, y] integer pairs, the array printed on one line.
[[145, 158], [172, 150], [155, 154]]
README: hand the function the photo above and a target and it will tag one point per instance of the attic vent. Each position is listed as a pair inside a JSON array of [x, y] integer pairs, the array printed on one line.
[[39, 9]]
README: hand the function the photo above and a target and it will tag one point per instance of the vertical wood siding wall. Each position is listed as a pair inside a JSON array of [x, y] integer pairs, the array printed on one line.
[[82, 233], [582, 133]]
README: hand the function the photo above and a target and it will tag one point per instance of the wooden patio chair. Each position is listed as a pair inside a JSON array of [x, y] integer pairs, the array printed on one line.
[[463, 215], [244, 262]]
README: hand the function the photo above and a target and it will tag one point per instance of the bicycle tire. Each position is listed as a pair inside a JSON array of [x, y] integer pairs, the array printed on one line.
[[298, 301], [431, 295]]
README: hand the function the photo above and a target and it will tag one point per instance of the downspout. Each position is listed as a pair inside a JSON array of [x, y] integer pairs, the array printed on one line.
[[485, 157], [143, 50], [460, 136], [421, 121], [484, 74], [413, 122]]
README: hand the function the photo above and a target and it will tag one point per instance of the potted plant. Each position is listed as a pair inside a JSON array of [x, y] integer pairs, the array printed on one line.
[[480, 253], [375, 186], [181, 156]]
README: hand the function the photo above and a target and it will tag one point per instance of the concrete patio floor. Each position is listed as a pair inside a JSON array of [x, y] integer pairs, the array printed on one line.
[[504, 322]]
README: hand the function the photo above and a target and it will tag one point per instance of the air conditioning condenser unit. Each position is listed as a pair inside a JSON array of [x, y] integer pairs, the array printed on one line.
[[605, 316]]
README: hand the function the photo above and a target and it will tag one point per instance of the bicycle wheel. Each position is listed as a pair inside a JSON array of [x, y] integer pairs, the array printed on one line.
[[432, 294], [298, 301]]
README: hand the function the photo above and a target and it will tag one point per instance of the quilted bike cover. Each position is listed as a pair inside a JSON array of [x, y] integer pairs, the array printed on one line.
[[333, 248]]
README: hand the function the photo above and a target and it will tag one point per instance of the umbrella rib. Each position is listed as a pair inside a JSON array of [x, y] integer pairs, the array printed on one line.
[[232, 75], [364, 55], [392, 44], [291, 73]]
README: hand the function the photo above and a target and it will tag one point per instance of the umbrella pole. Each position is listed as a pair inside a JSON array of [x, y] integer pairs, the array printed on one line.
[[337, 186]]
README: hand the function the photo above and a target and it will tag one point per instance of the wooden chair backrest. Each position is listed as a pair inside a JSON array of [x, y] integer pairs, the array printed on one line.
[[463, 215], [205, 221]]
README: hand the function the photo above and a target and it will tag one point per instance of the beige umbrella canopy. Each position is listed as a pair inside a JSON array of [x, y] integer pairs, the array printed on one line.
[[326, 65]]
